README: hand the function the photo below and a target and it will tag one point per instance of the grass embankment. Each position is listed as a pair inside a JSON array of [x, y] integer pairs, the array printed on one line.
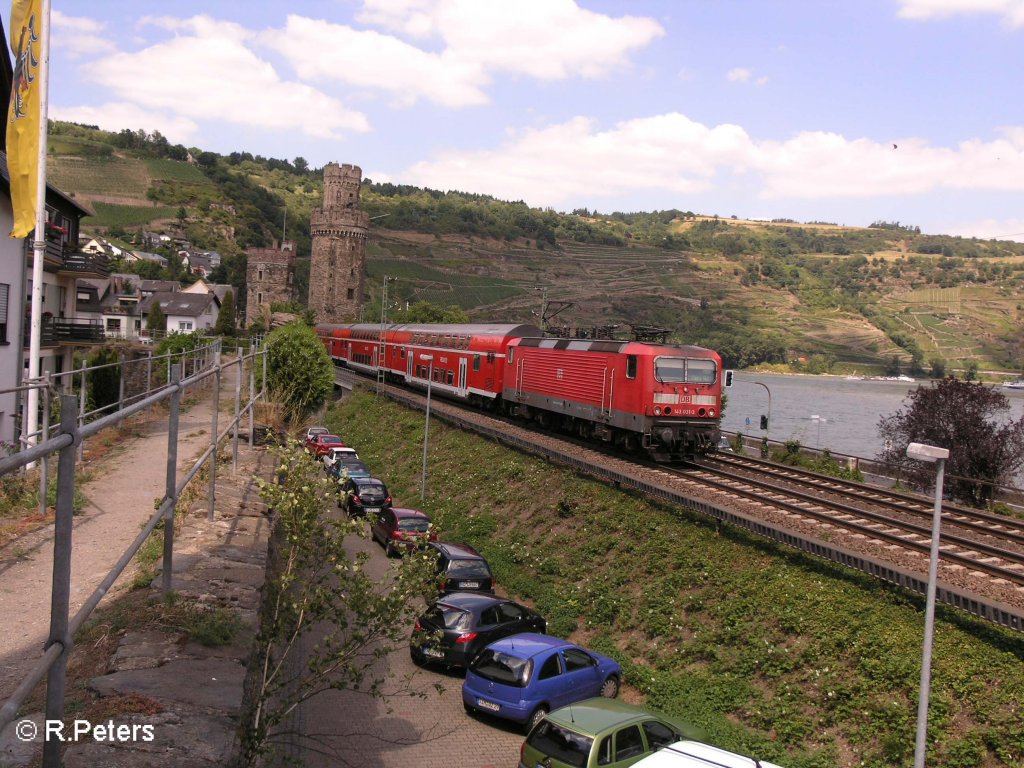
[[770, 652]]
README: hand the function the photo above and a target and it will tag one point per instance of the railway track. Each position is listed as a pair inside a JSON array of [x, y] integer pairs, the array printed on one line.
[[999, 527], [878, 532]]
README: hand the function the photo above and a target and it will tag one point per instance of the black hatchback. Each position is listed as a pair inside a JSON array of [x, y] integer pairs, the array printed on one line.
[[461, 624], [462, 569], [361, 495]]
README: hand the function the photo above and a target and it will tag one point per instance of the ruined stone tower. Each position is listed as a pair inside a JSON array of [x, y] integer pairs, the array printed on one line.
[[339, 232], [269, 277]]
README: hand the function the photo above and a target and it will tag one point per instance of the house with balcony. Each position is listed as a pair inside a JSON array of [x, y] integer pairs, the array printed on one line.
[[114, 303]]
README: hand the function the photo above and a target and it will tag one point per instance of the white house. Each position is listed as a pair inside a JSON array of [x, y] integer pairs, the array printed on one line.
[[185, 312]]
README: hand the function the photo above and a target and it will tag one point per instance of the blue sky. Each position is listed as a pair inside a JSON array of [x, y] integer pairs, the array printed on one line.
[[830, 110]]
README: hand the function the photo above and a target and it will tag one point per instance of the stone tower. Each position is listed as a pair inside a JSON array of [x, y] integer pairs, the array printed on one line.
[[269, 277], [339, 232]]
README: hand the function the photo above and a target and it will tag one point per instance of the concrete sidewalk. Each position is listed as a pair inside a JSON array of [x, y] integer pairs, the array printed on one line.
[[219, 563]]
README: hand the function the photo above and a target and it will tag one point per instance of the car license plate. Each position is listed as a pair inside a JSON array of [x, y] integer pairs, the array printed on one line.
[[437, 653], [484, 704], [373, 510], [469, 584]]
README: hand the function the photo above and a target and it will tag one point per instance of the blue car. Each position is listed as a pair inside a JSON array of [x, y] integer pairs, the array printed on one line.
[[523, 677]]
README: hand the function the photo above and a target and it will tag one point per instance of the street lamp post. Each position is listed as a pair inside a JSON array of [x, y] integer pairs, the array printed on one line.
[[819, 419], [929, 453], [426, 426]]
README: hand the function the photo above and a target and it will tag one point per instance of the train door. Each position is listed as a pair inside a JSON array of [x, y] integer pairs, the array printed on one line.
[[607, 392], [463, 366], [408, 366]]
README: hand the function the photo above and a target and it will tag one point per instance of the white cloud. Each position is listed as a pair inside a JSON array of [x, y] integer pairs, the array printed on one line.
[[545, 39], [670, 152], [744, 75], [989, 229], [372, 60], [114, 116], [206, 71], [78, 36], [1011, 11]]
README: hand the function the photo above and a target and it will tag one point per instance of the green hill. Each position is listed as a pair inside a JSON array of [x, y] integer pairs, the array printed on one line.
[[782, 292]]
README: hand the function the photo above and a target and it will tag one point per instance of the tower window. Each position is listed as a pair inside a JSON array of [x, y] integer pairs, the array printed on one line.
[[351, 294]]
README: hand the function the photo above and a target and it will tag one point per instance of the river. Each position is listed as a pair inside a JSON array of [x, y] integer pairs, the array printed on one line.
[[823, 411]]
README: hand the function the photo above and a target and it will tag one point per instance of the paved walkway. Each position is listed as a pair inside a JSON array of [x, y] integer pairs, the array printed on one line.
[[121, 495]]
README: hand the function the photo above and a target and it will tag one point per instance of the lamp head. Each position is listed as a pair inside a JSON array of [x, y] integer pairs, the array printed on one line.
[[924, 452]]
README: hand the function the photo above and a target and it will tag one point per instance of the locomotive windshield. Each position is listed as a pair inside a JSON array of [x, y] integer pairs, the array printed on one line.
[[685, 370]]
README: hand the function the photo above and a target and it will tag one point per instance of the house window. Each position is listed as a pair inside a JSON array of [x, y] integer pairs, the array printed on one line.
[[259, 274], [114, 325], [184, 325], [259, 297], [5, 292]]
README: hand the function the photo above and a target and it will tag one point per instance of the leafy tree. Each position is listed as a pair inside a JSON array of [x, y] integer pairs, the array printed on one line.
[[299, 371], [971, 373], [225, 325], [326, 621], [156, 320], [425, 312], [104, 383], [938, 367], [970, 419]]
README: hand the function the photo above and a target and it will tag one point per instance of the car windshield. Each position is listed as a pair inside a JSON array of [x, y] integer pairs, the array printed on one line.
[[330, 440], [414, 524], [371, 488], [449, 617], [502, 668], [561, 744], [688, 370], [462, 569], [347, 458]]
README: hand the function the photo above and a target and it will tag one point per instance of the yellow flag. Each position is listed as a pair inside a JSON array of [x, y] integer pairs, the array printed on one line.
[[23, 114]]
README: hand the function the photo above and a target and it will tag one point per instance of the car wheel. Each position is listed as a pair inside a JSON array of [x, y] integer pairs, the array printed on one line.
[[535, 718], [388, 549], [610, 687]]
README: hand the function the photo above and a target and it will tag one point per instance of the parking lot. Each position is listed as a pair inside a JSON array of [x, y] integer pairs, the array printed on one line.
[[429, 730]]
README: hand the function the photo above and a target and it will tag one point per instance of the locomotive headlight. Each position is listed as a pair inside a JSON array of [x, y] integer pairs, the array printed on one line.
[[657, 410], [711, 412]]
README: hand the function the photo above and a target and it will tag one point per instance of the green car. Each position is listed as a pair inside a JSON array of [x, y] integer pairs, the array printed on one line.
[[598, 732]]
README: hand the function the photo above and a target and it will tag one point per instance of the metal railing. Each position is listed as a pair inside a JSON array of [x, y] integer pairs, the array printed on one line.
[[69, 436]]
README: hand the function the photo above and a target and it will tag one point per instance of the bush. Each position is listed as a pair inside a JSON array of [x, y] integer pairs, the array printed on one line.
[[299, 371]]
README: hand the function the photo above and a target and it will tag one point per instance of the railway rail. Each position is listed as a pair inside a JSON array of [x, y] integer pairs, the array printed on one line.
[[982, 574]]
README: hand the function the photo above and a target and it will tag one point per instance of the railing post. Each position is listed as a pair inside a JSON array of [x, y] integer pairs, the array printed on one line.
[[264, 388], [44, 434], [149, 371], [238, 410], [120, 384], [170, 491], [81, 415], [252, 398], [60, 595], [213, 436]]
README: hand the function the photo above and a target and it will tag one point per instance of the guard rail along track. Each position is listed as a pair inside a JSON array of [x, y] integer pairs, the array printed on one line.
[[622, 474]]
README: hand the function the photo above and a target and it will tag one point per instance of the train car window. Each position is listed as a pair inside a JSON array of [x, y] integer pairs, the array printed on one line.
[[476, 362], [670, 369], [451, 376], [701, 371], [402, 352], [630, 366]]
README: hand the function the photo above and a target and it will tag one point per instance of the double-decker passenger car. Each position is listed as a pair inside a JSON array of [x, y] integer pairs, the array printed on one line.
[[460, 360], [662, 399]]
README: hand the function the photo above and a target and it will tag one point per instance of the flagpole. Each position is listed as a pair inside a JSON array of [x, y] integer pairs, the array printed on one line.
[[39, 237]]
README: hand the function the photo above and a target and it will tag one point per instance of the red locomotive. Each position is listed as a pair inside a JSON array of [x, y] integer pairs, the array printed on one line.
[[662, 399]]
